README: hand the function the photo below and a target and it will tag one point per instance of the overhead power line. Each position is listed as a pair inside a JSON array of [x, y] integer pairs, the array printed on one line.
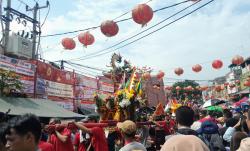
[[23, 3], [84, 66], [128, 11], [94, 27], [148, 33], [102, 50]]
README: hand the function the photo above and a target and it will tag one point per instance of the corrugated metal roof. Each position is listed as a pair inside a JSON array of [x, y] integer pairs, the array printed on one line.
[[39, 107]]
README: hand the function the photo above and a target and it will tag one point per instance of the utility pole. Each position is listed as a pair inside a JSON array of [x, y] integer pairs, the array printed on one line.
[[35, 33], [7, 25], [62, 64]]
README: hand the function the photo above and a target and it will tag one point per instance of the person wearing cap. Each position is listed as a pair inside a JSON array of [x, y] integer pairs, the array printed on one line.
[[128, 131]]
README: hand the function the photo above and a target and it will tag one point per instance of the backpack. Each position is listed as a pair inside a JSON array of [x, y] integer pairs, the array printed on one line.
[[210, 135], [213, 141]]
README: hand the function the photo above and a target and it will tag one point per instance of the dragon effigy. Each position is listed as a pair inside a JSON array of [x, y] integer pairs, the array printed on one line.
[[129, 94]]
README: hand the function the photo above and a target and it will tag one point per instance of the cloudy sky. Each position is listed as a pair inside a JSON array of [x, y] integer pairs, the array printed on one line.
[[220, 30]]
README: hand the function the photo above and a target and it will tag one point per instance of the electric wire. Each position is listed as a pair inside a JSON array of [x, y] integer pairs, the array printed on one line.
[[102, 50], [94, 27], [148, 33]]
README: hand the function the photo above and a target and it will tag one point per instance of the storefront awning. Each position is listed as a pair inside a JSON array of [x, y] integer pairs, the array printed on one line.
[[87, 111], [39, 107]]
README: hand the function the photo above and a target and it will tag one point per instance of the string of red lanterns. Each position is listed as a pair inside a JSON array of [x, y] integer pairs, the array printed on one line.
[[141, 14]]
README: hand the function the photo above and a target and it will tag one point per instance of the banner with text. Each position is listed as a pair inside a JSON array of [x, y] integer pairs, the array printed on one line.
[[86, 81], [18, 66], [51, 88], [103, 86]]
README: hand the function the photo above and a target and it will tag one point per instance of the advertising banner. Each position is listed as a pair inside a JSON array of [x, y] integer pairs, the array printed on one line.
[[106, 87], [28, 84], [51, 88], [18, 66], [87, 81]]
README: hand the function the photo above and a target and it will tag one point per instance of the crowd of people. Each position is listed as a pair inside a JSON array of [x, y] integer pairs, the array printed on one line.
[[189, 130]]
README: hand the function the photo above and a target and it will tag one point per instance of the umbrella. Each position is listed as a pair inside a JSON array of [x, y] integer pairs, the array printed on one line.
[[219, 102], [210, 103], [215, 108], [241, 101]]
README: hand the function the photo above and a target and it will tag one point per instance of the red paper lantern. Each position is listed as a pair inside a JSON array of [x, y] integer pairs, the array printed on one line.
[[142, 14], [197, 68], [217, 64], [146, 75], [237, 60], [178, 88], [86, 38], [179, 71], [109, 28], [247, 83], [160, 75], [68, 43]]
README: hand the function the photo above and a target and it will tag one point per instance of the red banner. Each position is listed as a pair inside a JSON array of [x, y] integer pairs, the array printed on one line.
[[48, 72]]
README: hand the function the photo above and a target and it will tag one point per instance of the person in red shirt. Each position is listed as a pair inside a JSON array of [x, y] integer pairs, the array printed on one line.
[[44, 146], [79, 145], [61, 139], [97, 136]]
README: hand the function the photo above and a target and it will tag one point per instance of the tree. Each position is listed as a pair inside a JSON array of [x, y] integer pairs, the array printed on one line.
[[9, 80], [184, 93]]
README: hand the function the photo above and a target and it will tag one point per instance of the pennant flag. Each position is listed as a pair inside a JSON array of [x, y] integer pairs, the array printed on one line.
[[122, 83], [159, 110], [139, 88], [132, 80]]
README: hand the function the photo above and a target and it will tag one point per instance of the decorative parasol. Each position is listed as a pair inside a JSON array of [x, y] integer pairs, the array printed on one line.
[[213, 102], [215, 108]]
